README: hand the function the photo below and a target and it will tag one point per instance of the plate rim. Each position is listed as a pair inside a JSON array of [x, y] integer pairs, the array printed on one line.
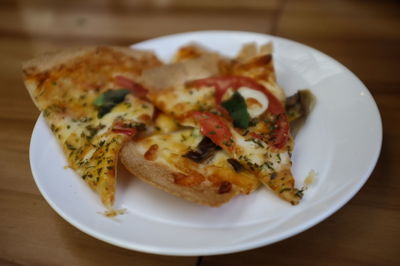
[[233, 247]]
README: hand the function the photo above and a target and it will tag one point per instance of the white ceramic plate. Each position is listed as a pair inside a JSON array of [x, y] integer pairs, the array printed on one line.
[[341, 141]]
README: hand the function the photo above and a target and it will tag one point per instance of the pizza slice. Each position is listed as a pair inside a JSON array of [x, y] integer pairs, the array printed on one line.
[[239, 109], [92, 103], [188, 165]]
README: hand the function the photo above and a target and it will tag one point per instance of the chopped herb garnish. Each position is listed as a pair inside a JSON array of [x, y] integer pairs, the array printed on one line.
[[183, 137], [70, 146], [237, 108], [253, 122], [228, 142], [257, 141], [139, 126], [278, 155], [269, 165], [106, 101], [285, 189], [204, 150], [252, 166], [299, 193], [273, 175], [235, 164]]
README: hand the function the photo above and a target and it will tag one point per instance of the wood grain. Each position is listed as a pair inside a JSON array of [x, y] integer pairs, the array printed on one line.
[[363, 35], [55, 242]]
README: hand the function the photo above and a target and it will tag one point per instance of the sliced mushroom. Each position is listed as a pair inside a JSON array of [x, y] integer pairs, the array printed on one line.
[[298, 106], [205, 150]]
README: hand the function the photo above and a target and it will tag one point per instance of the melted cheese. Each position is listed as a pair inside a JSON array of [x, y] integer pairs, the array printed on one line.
[[256, 101], [258, 155], [90, 144], [173, 145], [181, 100], [249, 150], [65, 93], [166, 123]]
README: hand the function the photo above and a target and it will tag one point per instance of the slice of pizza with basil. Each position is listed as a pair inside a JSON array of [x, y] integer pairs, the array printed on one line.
[[232, 119], [92, 103]]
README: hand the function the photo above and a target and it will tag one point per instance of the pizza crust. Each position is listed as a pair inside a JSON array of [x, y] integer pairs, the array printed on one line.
[[176, 74], [162, 177], [49, 60], [38, 67]]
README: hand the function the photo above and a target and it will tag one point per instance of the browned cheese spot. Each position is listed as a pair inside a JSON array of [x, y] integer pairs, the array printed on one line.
[[151, 153]]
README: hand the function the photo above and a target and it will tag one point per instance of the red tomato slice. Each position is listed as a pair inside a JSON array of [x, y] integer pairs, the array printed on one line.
[[125, 131], [215, 128], [224, 112], [223, 83], [121, 128], [280, 134], [257, 136], [126, 83]]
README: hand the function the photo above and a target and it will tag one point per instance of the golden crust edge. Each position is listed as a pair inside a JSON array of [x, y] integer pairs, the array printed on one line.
[[161, 176], [50, 60]]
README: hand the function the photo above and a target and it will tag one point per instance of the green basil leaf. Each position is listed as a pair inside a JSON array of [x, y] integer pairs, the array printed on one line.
[[237, 108], [106, 101]]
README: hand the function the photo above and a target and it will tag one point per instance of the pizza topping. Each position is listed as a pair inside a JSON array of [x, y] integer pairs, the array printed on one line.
[[235, 164], [151, 153], [250, 88], [204, 150], [165, 123], [125, 131], [106, 101], [128, 128], [134, 87], [237, 109], [113, 213], [223, 83], [225, 187], [193, 179], [299, 104], [280, 133], [214, 127], [256, 101]]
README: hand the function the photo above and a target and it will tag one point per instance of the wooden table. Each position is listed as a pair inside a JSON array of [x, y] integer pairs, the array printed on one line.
[[363, 35]]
